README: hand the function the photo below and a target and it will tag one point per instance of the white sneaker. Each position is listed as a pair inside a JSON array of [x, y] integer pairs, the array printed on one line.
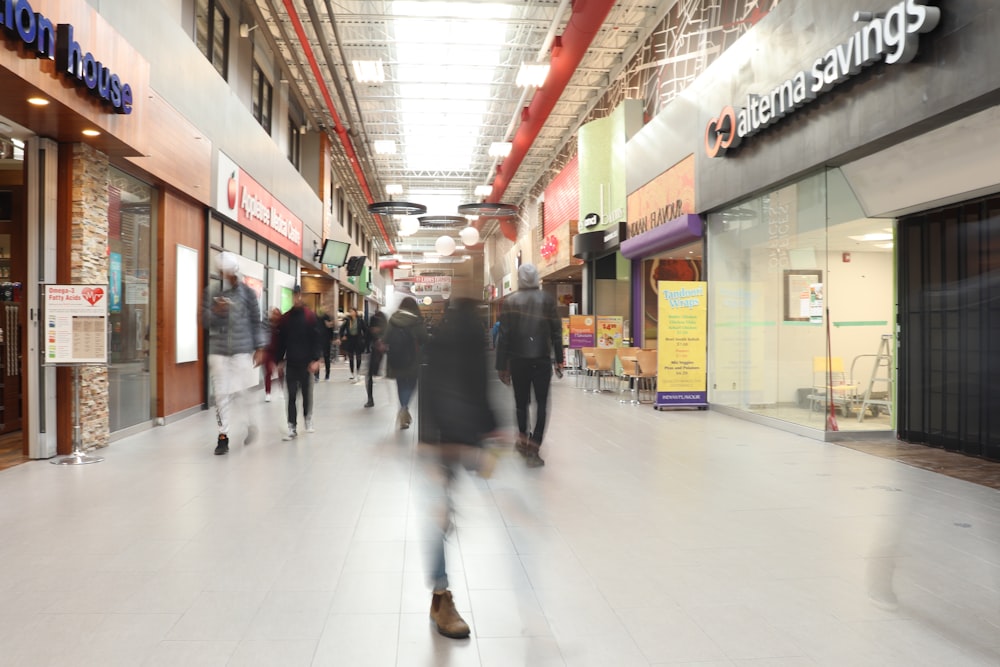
[[309, 425], [267, 398], [292, 433]]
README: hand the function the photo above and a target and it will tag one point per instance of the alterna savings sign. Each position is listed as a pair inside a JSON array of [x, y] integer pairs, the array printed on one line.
[[894, 37], [56, 42]]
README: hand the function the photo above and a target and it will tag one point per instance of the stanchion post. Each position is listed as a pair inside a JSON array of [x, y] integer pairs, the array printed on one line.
[[78, 456]]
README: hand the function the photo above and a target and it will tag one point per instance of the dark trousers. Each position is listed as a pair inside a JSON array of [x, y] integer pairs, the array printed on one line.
[[354, 355], [326, 361], [374, 362], [527, 375], [296, 378]]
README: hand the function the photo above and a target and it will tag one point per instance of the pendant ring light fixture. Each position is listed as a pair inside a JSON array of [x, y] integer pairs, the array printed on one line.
[[488, 209], [396, 208], [443, 221]]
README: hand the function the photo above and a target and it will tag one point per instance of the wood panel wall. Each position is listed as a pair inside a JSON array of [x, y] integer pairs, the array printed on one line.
[[179, 386]]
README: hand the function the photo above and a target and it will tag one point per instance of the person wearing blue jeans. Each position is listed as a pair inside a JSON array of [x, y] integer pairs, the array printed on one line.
[[404, 338]]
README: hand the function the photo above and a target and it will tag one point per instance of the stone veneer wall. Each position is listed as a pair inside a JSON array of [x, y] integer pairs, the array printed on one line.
[[89, 265]]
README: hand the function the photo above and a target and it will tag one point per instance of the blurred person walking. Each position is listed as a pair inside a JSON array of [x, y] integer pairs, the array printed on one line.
[[457, 404], [327, 325], [404, 337], [528, 346], [376, 330], [299, 348], [353, 335], [237, 338], [270, 365]]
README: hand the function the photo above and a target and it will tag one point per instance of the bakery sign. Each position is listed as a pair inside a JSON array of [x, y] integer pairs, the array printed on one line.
[[893, 37]]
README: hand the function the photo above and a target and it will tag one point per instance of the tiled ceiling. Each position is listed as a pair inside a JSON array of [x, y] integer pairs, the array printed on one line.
[[442, 133]]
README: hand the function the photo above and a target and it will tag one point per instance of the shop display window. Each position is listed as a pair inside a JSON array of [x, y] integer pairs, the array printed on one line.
[[801, 302], [131, 234]]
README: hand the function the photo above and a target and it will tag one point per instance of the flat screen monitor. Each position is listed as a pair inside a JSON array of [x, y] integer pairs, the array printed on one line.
[[334, 252], [355, 265]]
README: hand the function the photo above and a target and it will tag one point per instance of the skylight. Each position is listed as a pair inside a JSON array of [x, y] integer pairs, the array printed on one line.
[[446, 68]]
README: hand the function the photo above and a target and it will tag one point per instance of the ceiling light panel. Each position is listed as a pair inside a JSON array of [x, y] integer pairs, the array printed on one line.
[[448, 54]]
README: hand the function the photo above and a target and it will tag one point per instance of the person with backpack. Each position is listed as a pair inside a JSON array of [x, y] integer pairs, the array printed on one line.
[[299, 346], [405, 336]]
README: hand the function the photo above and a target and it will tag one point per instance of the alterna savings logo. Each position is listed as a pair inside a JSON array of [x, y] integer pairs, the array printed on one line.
[[894, 37]]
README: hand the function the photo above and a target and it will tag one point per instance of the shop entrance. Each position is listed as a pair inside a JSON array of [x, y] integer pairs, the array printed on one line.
[[13, 270]]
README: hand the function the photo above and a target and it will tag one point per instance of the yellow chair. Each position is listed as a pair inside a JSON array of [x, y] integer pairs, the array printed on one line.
[[831, 384], [648, 364]]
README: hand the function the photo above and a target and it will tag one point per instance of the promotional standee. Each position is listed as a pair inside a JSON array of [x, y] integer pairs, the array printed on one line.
[[76, 335], [682, 358]]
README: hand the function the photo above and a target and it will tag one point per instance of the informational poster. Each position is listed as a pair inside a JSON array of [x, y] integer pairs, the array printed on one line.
[[609, 331], [816, 303], [565, 331], [581, 331], [76, 324], [682, 359], [115, 282]]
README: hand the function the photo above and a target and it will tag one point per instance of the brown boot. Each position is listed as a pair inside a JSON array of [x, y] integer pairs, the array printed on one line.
[[531, 457], [446, 617]]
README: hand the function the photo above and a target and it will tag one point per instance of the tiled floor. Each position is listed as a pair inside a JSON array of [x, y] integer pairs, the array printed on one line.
[[650, 538]]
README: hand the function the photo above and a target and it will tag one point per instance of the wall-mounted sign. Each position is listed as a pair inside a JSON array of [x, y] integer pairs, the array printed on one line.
[[590, 220], [245, 200], [47, 40], [668, 196], [894, 37]]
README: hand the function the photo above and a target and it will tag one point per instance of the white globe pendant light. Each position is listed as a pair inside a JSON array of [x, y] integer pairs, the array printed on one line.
[[469, 235], [445, 245]]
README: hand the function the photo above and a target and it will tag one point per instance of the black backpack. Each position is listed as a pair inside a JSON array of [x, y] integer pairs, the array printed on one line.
[[402, 347]]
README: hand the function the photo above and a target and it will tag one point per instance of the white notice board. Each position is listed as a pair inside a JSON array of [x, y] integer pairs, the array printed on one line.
[[76, 324]]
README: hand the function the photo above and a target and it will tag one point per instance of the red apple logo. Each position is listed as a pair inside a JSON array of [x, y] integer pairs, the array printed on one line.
[[231, 190]]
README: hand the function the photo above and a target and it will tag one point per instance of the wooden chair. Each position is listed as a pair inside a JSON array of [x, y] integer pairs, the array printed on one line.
[[629, 369], [604, 358], [645, 378]]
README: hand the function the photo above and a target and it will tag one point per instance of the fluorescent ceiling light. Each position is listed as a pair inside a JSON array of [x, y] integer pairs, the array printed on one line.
[[448, 56], [500, 148], [532, 75], [888, 246], [878, 236], [369, 71], [484, 190], [394, 189], [385, 146]]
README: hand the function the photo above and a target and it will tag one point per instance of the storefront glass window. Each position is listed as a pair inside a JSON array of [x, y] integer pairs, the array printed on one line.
[[785, 269], [131, 230]]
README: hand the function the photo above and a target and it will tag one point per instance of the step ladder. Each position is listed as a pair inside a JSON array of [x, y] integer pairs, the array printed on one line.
[[881, 373]]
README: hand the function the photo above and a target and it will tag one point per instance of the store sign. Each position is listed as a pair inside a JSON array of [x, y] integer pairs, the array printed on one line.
[[665, 198], [56, 42], [245, 200], [894, 37]]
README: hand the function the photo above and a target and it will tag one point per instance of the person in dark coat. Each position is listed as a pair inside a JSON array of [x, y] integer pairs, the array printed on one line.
[[299, 346], [403, 363], [457, 403], [353, 336], [327, 329], [376, 329]]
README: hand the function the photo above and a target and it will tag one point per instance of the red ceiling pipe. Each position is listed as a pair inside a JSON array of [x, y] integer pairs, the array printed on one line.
[[338, 127], [587, 18]]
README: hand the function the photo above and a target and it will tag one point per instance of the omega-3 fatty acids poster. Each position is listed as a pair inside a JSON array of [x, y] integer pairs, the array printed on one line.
[[76, 324], [681, 379]]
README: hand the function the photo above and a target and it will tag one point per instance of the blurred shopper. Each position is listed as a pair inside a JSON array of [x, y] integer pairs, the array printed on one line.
[[529, 344], [329, 333], [404, 337], [457, 403], [237, 339], [353, 335], [376, 330], [299, 347], [270, 365]]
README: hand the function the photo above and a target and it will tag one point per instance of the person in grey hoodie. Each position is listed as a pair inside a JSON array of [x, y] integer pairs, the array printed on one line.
[[236, 341]]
